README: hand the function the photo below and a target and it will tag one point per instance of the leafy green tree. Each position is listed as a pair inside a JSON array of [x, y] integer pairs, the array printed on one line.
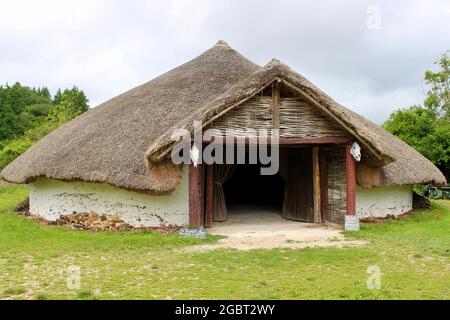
[[426, 127], [70, 103], [412, 125], [15, 118], [27, 115], [8, 118], [57, 97], [12, 150], [438, 97], [43, 92]]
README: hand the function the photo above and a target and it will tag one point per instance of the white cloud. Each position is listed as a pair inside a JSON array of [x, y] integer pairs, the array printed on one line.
[[107, 47], [35, 16]]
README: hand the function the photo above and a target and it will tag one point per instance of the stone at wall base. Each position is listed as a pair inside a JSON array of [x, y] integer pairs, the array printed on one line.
[[351, 223]]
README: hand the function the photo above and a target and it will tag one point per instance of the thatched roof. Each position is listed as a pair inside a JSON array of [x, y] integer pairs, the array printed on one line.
[[125, 142], [108, 143], [399, 163]]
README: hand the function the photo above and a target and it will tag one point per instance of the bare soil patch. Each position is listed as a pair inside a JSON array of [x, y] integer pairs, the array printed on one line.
[[267, 230]]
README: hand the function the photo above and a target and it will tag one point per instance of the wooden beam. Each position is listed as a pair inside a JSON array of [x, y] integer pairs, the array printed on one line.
[[276, 104], [209, 196], [318, 140], [316, 185], [196, 217], [351, 181], [323, 184], [337, 119], [281, 141]]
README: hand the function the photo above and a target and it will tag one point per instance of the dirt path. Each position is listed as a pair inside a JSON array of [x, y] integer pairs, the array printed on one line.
[[268, 231]]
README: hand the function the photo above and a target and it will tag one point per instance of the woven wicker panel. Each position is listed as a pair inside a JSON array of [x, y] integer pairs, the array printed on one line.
[[254, 114], [337, 186], [301, 119], [297, 119]]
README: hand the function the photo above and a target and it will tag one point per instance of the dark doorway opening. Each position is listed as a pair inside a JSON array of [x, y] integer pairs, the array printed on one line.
[[288, 193], [248, 188], [242, 189]]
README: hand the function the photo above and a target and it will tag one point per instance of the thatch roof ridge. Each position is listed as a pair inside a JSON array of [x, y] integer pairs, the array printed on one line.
[[253, 84], [113, 142], [399, 159], [107, 144]]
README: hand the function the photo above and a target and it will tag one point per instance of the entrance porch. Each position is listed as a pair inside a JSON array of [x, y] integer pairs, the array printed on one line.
[[316, 183]]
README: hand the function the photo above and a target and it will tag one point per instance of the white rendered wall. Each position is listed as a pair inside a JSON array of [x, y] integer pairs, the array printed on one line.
[[383, 201], [52, 198]]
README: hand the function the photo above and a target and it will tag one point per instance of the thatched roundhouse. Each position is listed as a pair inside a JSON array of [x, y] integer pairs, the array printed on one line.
[[116, 158]]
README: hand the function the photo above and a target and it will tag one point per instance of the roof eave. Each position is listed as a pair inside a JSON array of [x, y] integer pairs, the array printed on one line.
[[273, 71]]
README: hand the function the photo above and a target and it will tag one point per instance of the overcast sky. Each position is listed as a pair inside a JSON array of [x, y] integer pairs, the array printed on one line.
[[367, 55]]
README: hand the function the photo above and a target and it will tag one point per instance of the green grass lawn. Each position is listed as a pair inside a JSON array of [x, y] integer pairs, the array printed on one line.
[[413, 255]]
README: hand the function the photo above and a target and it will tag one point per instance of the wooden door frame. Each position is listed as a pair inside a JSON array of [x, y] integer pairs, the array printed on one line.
[[350, 169], [323, 184], [201, 179], [196, 196]]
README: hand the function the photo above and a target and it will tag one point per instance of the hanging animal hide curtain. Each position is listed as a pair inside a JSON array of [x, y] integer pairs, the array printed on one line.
[[222, 173]]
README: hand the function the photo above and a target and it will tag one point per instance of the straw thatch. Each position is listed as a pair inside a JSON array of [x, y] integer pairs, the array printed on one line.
[[250, 86], [108, 143], [298, 119], [125, 141], [398, 163]]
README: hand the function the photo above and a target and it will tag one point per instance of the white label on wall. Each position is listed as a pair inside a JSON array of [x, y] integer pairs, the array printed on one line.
[[351, 223]]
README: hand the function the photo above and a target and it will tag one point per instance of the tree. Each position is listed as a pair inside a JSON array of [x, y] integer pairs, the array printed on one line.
[[15, 106], [43, 92], [70, 103], [438, 97], [426, 127], [57, 97], [27, 115]]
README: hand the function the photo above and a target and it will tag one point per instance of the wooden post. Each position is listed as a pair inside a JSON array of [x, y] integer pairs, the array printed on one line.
[[316, 185], [276, 104], [351, 181], [209, 196], [323, 184], [196, 217]]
